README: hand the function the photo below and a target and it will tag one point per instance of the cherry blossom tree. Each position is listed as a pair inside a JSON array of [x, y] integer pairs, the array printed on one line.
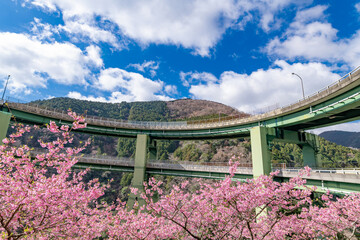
[[260, 208], [40, 196]]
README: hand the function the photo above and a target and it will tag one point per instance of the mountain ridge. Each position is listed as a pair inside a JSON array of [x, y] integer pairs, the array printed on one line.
[[162, 110], [343, 138]]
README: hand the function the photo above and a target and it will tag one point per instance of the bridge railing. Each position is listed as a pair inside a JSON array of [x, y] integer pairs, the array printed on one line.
[[326, 170]]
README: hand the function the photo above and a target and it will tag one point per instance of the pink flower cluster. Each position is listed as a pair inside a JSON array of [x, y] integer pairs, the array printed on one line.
[[41, 197]]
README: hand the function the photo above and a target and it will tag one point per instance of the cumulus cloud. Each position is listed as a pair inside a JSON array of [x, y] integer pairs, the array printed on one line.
[[129, 86], [85, 28], [43, 31], [80, 29], [256, 90], [32, 63], [189, 78], [310, 37], [357, 7], [79, 96], [171, 89], [150, 66], [196, 25]]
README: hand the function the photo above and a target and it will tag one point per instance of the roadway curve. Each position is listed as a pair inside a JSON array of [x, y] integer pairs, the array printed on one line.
[[337, 103]]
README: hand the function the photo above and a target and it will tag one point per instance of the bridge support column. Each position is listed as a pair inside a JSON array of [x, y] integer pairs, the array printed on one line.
[[311, 156], [152, 150], [4, 124], [261, 159], [144, 145]]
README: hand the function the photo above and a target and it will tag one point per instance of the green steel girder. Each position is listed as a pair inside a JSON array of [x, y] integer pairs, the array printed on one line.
[[103, 167], [195, 174]]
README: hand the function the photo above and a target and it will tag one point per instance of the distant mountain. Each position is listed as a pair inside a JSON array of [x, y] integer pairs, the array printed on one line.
[[144, 111], [190, 108], [347, 139]]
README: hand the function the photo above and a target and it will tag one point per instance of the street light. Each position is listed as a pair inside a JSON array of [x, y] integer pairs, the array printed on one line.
[[302, 84], [2, 99]]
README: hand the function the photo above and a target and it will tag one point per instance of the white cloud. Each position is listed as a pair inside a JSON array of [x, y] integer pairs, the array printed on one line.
[[357, 7], [85, 27], [171, 89], [311, 39], [31, 63], [79, 96], [45, 4], [275, 85], [129, 86], [150, 66], [196, 25], [93, 56], [189, 78], [311, 14], [43, 31], [80, 29]]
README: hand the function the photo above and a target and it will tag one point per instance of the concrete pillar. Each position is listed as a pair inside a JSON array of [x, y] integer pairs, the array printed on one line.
[[4, 124], [311, 156], [142, 141], [152, 150], [261, 158]]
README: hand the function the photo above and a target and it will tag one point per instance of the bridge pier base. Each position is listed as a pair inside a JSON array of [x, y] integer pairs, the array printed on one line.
[[4, 124], [261, 159]]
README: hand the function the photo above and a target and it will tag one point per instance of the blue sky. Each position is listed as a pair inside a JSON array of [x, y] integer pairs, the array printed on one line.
[[240, 53]]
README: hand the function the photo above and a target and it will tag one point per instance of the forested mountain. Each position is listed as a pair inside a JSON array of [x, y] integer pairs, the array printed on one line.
[[347, 139], [143, 111]]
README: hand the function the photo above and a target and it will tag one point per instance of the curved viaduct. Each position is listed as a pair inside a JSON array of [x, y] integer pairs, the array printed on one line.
[[338, 103], [335, 104]]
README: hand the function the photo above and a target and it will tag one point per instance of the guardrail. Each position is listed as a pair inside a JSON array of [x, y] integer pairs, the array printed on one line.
[[326, 170]]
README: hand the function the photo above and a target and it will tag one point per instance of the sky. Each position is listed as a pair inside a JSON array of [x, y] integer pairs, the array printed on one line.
[[239, 53]]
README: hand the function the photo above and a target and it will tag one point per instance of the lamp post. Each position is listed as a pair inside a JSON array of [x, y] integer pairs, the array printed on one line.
[[2, 98], [302, 84]]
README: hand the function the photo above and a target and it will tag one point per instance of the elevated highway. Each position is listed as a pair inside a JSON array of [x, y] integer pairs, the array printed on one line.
[[337, 103]]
